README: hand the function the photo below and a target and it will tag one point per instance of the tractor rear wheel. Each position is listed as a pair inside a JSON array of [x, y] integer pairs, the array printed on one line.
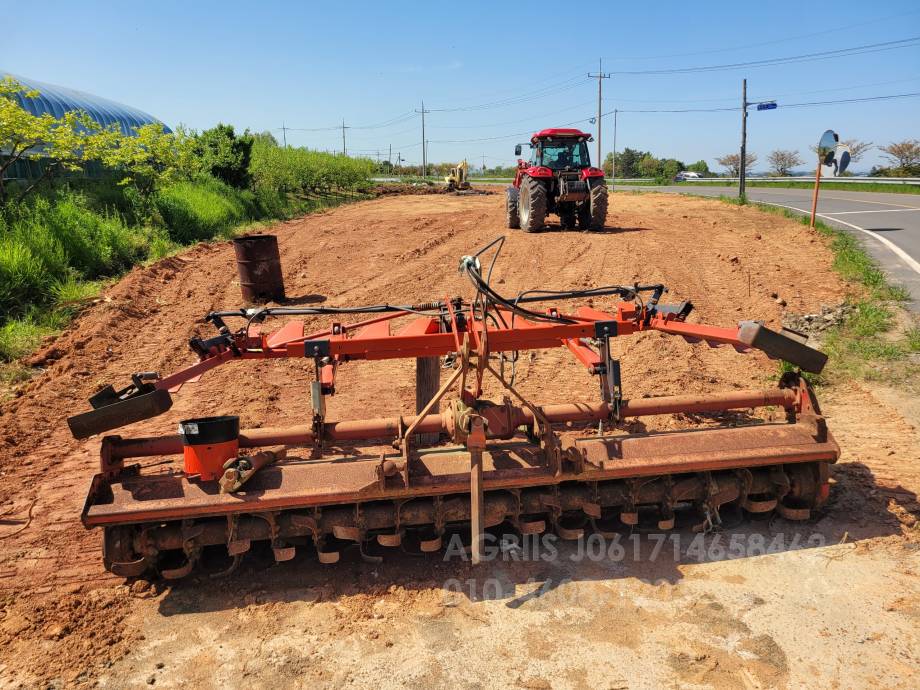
[[511, 208], [532, 204], [597, 208]]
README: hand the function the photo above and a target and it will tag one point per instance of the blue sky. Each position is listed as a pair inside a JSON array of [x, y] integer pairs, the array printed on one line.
[[309, 65]]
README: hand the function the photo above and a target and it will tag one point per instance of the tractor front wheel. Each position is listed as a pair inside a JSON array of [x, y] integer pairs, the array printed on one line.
[[511, 208], [532, 204]]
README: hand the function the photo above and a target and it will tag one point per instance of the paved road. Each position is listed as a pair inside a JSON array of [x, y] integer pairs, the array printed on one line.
[[888, 225]]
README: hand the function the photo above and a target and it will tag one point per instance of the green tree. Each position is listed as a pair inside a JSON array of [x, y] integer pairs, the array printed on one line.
[[64, 143], [225, 155], [905, 155], [628, 162], [782, 161], [153, 158], [649, 166], [700, 167], [858, 148], [732, 163], [608, 165], [264, 137], [669, 168]]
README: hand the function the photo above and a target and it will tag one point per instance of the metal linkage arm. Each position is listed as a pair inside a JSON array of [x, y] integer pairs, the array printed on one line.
[[432, 336], [785, 344]]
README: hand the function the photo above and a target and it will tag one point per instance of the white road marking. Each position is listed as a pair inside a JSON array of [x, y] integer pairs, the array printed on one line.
[[880, 210], [866, 201], [904, 256]]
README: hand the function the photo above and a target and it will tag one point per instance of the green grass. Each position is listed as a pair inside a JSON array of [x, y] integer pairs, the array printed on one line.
[[19, 337], [57, 252], [55, 241], [912, 339], [638, 183], [202, 209]]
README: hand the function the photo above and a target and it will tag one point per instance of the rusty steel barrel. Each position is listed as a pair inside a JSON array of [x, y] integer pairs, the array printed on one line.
[[259, 266]]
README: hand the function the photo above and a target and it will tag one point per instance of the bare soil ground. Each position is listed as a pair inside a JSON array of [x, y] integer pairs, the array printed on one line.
[[830, 603]]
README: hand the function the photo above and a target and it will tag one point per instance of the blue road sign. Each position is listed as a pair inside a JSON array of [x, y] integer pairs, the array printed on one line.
[[769, 105]]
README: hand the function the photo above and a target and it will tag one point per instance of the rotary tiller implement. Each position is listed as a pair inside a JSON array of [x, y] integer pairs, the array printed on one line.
[[562, 467]]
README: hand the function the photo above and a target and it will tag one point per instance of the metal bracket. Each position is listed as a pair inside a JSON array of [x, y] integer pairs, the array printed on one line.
[[610, 380], [316, 348], [605, 329]]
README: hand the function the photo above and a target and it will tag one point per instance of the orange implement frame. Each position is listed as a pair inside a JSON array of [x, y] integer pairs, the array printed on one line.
[[503, 460]]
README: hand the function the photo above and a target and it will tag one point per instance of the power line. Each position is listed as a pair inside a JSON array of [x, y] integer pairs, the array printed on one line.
[[748, 46], [519, 121], [571, 83], [790, 59], [389, 134], [855, 100], [772, 97], [398, 120], [885, 97], [574, 82], [781, 105], [566, 85], [388, 123], [694, 110]]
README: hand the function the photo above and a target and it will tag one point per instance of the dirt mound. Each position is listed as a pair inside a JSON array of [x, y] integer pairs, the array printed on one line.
[[423, 189], [408, 189]]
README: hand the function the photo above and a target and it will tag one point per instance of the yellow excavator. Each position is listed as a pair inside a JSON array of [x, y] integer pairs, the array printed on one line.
[[458, 177]]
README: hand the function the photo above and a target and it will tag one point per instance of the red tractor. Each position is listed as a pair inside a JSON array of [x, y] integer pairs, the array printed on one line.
[[558, 179]]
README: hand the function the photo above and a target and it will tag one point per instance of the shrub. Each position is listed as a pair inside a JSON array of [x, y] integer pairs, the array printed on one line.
[[225, 155], [302, 171], [202, 208]]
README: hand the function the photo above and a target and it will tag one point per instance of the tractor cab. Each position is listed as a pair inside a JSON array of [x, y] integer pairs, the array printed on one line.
[[559, 149], [559, 153]]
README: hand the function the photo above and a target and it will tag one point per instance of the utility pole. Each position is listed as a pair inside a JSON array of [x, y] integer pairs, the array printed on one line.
[[743, 163], [390, 157], [613, 165], [344, 153], [600, 76], [284, 134], [424, 141]]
